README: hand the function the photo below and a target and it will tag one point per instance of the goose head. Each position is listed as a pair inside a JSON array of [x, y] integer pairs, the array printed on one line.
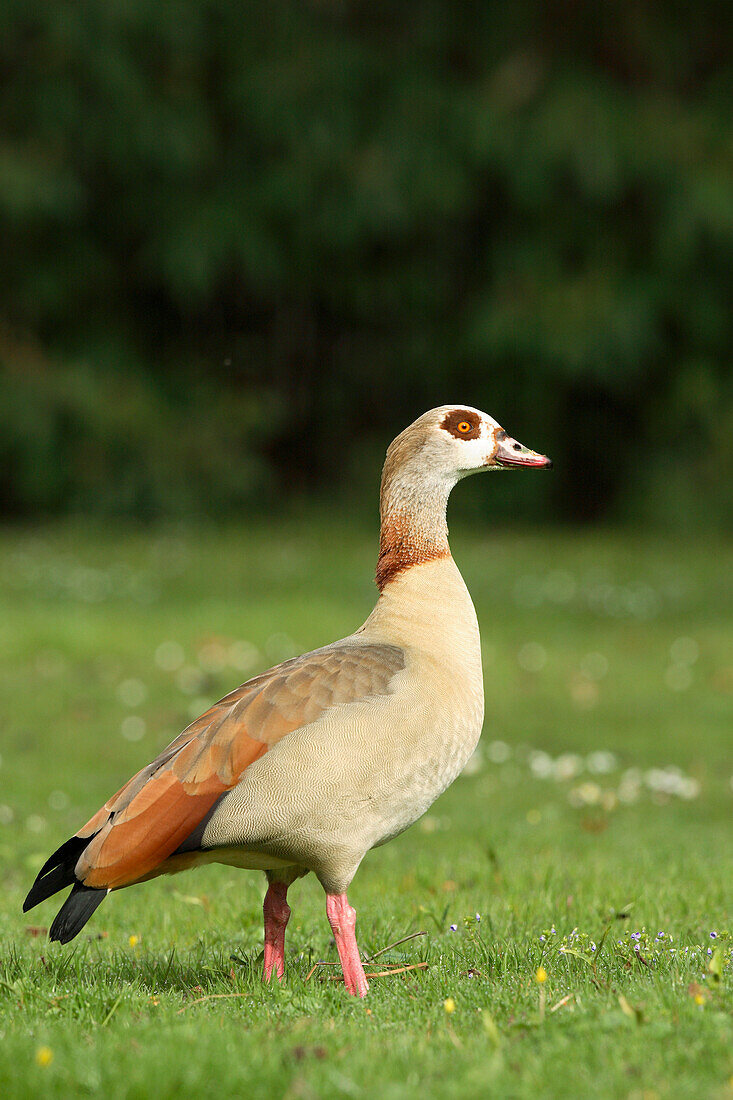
[[472, 440], [450, 442], [423, 464]]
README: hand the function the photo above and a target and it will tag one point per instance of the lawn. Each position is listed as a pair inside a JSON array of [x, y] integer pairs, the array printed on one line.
[[571, 894]]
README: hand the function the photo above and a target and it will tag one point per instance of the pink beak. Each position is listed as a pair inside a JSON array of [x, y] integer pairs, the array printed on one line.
[[511, 453]]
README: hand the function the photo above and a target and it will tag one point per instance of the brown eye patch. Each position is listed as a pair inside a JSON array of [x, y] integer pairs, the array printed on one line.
[[462, 424]]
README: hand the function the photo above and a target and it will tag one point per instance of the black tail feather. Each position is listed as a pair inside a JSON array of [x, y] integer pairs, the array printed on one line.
[[54, 880], [75, 912], [68, 853], [57, 871]]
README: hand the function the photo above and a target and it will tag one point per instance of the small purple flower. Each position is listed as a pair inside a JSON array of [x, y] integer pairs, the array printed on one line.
[[454, 928], [713, 935], [542, 939], [636, 935], [478, 918], [710, 950]]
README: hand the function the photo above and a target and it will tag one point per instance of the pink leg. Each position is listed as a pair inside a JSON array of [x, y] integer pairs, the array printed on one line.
[[342, 919], [277, 914]]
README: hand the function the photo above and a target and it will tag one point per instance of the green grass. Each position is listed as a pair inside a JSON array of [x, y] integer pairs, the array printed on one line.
[[593, 643]]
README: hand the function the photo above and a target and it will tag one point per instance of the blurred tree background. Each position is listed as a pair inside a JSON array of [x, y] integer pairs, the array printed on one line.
[[244, 244]]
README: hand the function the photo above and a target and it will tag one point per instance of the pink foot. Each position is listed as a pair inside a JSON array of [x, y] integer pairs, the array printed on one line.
[[342, 919], [277, 914]]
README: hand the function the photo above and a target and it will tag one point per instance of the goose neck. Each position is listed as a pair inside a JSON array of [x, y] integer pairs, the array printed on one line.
[[413, 524]]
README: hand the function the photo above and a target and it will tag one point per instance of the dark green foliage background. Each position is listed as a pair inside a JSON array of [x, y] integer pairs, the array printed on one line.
[[243, 244]]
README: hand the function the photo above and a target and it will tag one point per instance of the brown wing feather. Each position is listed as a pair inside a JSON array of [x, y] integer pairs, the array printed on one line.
[[150, 817]]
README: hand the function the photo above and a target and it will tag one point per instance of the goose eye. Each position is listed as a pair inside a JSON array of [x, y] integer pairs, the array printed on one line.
[[464, 427]]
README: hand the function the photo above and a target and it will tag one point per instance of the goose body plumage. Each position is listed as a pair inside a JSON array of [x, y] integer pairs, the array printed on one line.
[[313, 763], [365, 770]]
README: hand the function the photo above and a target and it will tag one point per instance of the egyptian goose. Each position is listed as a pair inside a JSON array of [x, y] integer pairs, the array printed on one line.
[[309, 765]]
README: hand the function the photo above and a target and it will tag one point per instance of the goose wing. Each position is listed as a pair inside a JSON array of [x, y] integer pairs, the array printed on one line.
[[153, 814]]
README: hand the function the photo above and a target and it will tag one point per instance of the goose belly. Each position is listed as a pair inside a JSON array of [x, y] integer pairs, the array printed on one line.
[[349, 781]]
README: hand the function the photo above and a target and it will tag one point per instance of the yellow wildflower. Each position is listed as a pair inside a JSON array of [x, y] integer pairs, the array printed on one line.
[[449, 1005], [134, 941], [541, 975], [44, 1056]]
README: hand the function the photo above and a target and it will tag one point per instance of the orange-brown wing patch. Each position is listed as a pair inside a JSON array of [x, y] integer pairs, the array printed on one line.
[[148, 819], [129, 848]]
